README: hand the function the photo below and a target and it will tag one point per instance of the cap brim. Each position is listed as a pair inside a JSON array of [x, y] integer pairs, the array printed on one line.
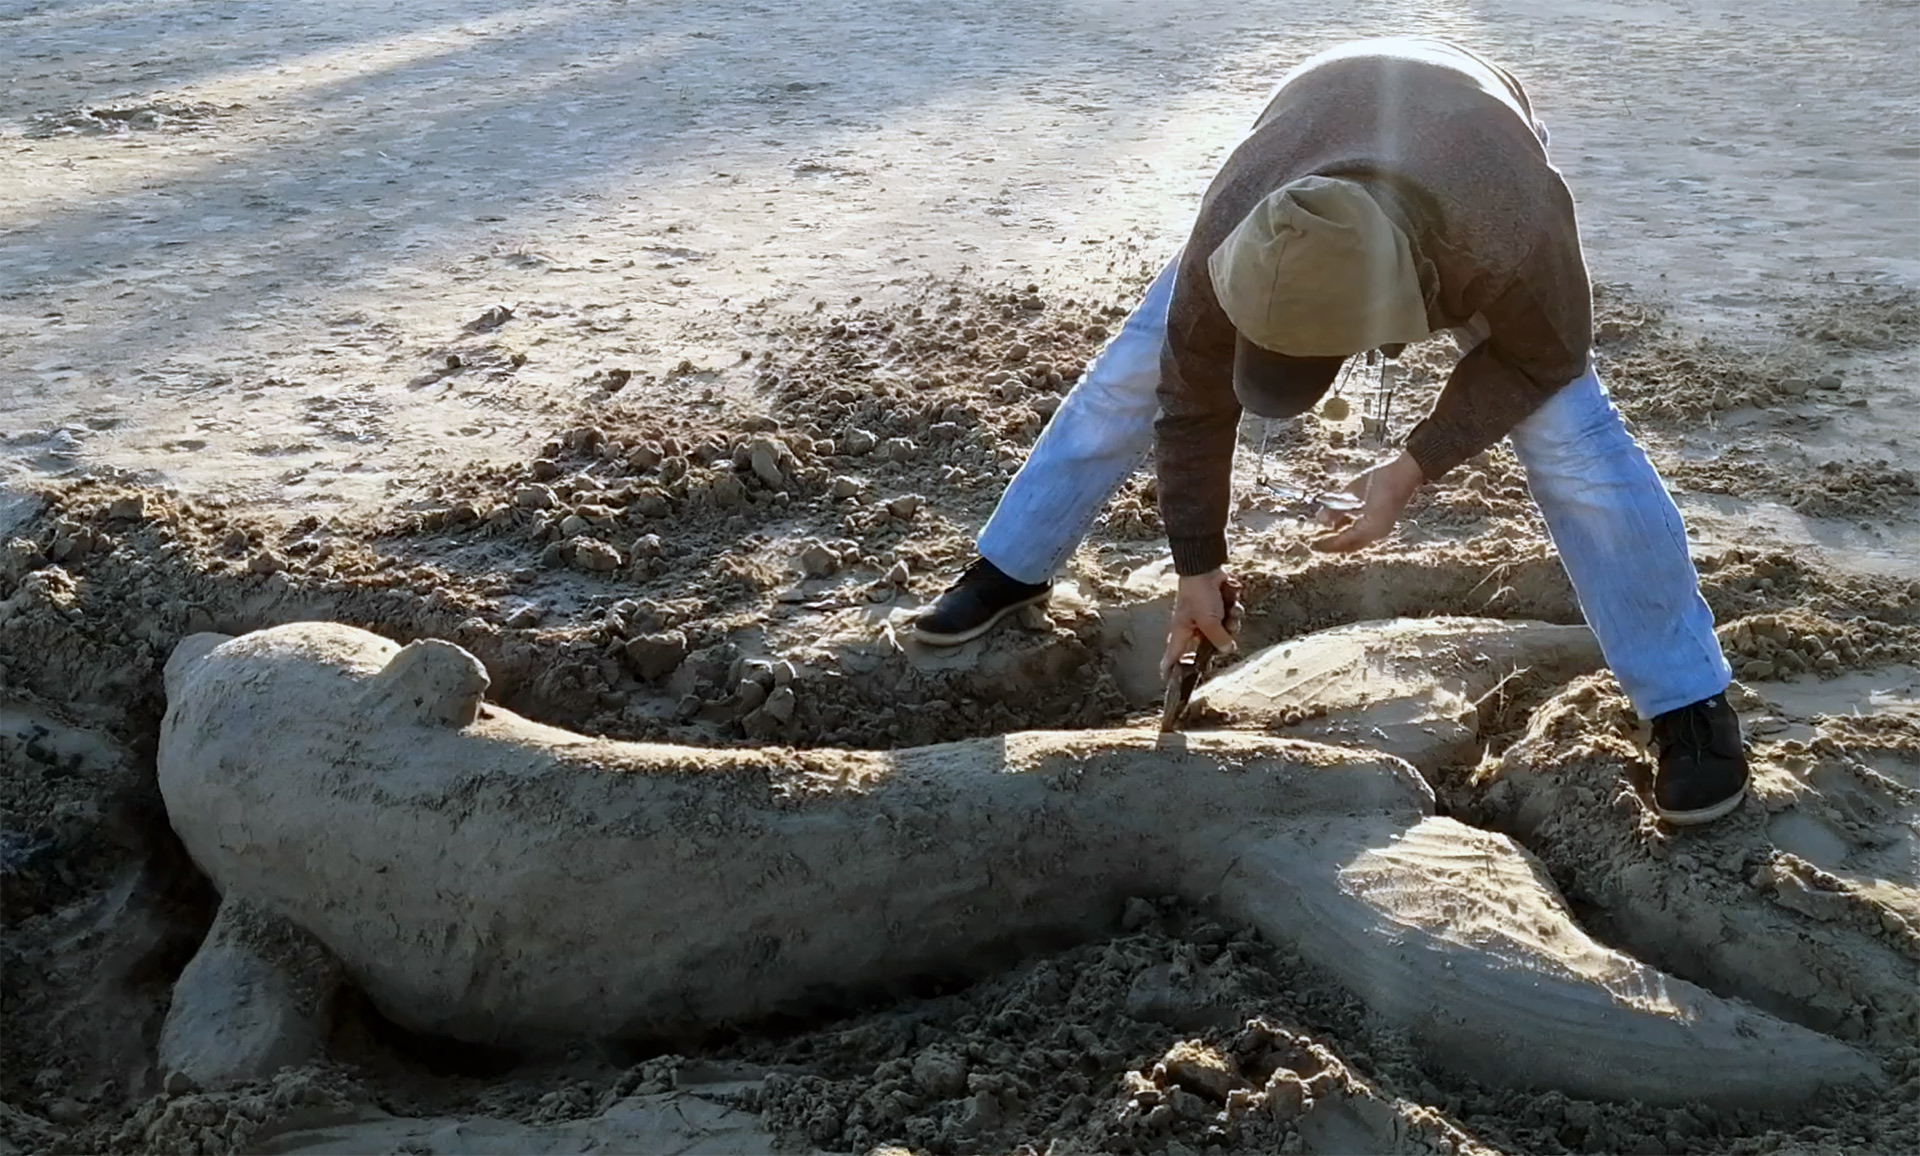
[[1274, 385]]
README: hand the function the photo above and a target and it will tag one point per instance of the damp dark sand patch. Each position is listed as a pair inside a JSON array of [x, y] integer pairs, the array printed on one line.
[[121, 119]]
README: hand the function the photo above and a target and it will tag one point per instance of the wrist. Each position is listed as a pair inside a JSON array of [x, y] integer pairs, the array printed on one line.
[[1406, 470]]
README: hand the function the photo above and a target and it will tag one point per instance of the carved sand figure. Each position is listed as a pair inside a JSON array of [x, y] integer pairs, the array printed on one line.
[[492, 879], [1412, 687]]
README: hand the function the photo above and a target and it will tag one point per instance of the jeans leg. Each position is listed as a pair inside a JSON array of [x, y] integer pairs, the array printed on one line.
[[1102, 430], [1622, 543]]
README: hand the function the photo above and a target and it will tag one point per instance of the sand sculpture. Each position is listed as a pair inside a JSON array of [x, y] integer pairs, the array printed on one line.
[[485, 877]]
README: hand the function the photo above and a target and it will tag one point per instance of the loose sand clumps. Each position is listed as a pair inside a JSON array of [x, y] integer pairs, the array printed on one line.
[[492, 879], [1802, 901], [800, 642], [1061, 1046]]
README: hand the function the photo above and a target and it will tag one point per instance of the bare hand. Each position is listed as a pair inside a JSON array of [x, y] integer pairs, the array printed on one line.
[[1385, 489], [1199, 612]]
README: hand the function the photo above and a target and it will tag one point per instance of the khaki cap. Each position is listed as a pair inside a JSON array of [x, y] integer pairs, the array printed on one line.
[[1317, 269]]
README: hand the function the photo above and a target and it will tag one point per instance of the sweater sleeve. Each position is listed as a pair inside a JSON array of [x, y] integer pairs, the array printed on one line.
[[1194, 435], [1541, 337]]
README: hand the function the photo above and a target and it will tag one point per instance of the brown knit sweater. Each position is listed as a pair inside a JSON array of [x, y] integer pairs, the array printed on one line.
[[1449, 145]]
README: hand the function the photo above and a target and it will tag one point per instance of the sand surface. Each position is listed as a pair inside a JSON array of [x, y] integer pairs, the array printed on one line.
[[241, 290], [653, 350]]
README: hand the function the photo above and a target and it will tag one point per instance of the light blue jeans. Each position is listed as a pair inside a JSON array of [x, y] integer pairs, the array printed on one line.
[[1609, 514]]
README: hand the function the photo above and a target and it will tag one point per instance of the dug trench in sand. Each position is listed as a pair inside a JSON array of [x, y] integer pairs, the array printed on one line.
[[488, 878], [1803, 902]]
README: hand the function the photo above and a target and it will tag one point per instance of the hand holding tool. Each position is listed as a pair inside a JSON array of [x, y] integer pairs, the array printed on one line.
[[1193, 669]]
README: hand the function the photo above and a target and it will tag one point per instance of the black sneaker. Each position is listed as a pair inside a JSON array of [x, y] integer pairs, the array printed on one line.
[[981, 597], [1702, 769]]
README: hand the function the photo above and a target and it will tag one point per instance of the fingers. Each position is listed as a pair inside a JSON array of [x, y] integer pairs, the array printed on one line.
[[1217, 633], [1334, 519], [1179, 641], [1353, 537], [1198, 612]]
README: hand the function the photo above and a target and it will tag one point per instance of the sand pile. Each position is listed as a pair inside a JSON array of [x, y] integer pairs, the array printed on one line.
[[740, 571]]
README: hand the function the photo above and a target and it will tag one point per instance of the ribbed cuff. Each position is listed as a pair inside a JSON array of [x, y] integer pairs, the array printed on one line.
[[1438, 449], [1199, 555]]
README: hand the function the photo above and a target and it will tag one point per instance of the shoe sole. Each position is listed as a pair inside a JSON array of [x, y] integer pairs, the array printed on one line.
[[1703, 814], [969, 635]]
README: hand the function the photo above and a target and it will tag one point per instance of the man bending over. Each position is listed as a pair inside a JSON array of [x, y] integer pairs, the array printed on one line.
[[1391, 189]]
